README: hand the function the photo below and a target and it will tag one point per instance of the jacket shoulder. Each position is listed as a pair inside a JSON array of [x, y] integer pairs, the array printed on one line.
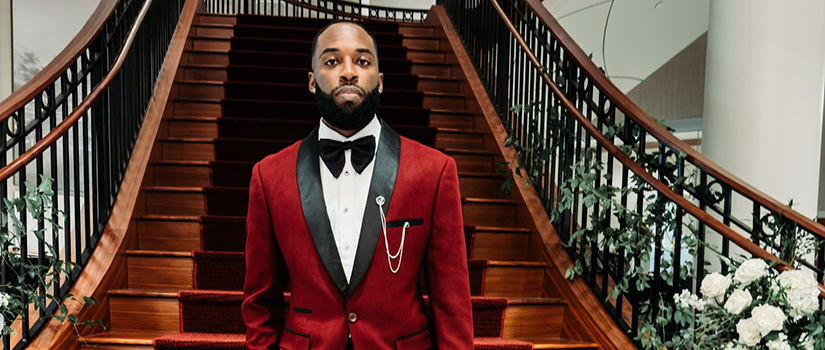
[[416, 151], [280, 160]]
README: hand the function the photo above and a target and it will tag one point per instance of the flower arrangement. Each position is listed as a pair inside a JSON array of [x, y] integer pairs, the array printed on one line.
[[754, 308]]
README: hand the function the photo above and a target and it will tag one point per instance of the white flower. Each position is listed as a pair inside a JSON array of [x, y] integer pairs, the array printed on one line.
[[750, 271], [807, 342], [802, 291], [768, 318], [732, 346], [738, 301], [688, 300], [748, 332], [715, 285], [4, 299], [779, 344]]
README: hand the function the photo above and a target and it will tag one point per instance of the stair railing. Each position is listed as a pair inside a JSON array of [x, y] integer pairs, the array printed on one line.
[[331, 9], [570, 122], [77, 122]]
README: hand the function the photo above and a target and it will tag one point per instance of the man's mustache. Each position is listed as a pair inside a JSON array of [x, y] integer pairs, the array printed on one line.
[[349, 88]]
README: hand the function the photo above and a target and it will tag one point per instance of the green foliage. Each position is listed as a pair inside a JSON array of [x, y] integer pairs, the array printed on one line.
[[32, 280]]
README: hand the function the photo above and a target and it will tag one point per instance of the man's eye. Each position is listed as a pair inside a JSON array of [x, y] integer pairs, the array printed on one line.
[[330, 62], [364, 62]]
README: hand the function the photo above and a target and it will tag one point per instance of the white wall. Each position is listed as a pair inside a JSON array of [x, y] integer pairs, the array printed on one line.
[[640, 37], [45, 27], [6, 67]]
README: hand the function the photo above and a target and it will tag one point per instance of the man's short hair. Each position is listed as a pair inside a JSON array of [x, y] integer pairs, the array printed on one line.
[[315, 41]]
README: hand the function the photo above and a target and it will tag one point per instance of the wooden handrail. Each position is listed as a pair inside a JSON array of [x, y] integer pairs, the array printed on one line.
[[637, 169], [47, 141], [632, 111], [66, 58]]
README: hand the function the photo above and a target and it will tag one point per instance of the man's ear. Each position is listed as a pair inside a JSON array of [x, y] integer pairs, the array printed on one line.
[[311, 77], [380, 82]]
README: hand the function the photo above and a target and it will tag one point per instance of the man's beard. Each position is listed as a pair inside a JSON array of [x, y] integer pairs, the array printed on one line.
[[347, 116]]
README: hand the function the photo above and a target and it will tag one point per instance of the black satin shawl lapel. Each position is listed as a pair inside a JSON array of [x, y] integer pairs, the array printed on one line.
[[315, 209], [382, 184]]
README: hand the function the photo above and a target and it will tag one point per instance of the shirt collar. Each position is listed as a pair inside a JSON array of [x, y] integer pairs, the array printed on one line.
[[373, 128]]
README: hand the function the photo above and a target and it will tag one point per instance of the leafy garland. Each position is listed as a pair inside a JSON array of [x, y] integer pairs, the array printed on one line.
[[33, 281], [631, 236]]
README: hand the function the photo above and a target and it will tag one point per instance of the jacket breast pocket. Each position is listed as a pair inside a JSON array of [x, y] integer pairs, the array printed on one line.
[[291, 340], [402, 223], [417, 341]]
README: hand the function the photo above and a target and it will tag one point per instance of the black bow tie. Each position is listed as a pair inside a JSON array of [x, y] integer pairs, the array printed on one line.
[[332, 152]]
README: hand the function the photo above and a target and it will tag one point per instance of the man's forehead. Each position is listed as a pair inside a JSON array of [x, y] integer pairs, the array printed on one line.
[[346, 32]]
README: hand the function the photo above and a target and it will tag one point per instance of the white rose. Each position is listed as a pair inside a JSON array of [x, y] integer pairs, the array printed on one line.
[[801, 290], [750, 271], [768, 318], [715, 285], [779, 344], [738, 301], [748, 332], [4, 299]]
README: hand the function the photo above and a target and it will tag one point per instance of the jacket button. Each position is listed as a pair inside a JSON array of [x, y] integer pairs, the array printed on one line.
[[352, 317]]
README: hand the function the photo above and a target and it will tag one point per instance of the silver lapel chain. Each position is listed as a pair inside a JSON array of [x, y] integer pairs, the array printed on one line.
[[398, 255]]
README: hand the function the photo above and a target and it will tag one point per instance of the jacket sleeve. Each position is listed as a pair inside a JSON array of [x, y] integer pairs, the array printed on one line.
[[445, 267], [266, 273]]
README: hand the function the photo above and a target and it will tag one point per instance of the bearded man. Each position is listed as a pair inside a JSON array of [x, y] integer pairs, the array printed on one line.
[[348, 217]]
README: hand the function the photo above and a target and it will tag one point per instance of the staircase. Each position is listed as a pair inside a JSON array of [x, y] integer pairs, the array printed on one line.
[[241, 94]]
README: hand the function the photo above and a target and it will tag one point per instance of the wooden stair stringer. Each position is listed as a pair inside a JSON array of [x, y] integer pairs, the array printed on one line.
[[585, 319]]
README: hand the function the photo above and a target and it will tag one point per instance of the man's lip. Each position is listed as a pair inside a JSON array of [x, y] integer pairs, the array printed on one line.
[[348, 91]]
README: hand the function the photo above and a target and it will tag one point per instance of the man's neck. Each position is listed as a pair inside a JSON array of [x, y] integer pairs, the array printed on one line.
[[345, 133]]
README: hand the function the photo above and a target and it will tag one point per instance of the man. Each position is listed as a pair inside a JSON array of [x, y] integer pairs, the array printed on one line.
[[348, 217]]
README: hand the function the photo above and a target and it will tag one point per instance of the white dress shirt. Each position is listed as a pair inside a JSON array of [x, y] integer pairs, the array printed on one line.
[[346, 196]]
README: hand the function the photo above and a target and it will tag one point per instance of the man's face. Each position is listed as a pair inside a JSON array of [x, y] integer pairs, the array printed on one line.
[[344, 67]]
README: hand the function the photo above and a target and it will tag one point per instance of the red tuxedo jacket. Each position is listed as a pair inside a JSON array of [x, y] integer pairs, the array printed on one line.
[[289, 240]]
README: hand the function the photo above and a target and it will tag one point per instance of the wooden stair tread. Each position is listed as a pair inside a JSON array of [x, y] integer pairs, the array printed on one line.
[[168, 217], [148, 293], [192, 118], [161, 253], [201, 82], [209, 37], [198, 100], [467, 151], [450, 111], [214, 25], [446, 94], [436, 77], [504, 263], [216, 51], [502, 229], [122, 337], [535, 301], [187, 139], [458, 130], [488, 200], [559, 343], [174, 188], [181, 162]]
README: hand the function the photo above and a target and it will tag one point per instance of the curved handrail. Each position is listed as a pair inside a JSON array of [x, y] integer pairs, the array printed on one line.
[[333, 12], [332, 7], [658, 131], [67, 57], [10, 169], [637, 169]]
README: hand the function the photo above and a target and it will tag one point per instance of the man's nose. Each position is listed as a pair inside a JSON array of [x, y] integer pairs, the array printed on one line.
[[348, 73]]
